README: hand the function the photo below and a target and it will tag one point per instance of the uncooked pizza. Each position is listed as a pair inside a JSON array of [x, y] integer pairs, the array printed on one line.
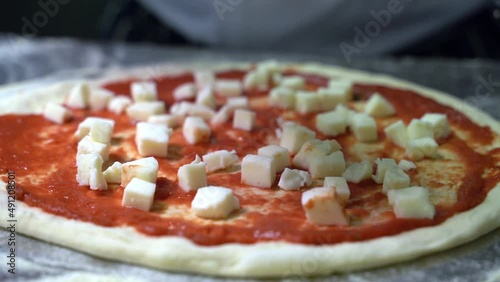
[[249, 170]]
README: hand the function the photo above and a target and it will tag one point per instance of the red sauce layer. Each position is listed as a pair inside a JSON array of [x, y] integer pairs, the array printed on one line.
[[45, 171]]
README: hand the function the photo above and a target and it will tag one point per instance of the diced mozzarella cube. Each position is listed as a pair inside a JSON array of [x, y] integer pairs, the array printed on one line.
[[341, 188], [170, 121], [406, 165], [99, 99], [420, 148], [206, 97], [151, 139], [214, 202], [278, 153], [85, 163], [331, 97], [141, 111], [145, 169], [101, 131], [228, 87], [97, 181], [329, 165], [225, 112], [419, 129], [307, 102], [56, 113], [293, 82], [192, 176], [412, 202], [293, 179], [378, 106], [221, 116], [313, 149], [221, 159], [282, 97], [294, 136], [196, 130], [113, 174], [382, 166], [364, 128], [395, 178], [244, 119], [87, 146], [256, 79], [439, 124], [397, 133], [187, 108], [143, 91], [119, 104], [345, 112], [237, 103], [357, 172], [323, 207], [203, 79], [331, 123], [139, 194], [85, 126], [185, 91], [79, 96], [258, 171], [344, 85]]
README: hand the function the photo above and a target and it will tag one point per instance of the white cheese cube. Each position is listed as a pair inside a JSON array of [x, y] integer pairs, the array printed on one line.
[[331, 123], [345, 112], [294, 136], [313, 149], [357, 172], [196, 130], [79, 96], [244, 119], [220, 159], [282, 97], [341, 188], [278, 153], [397, 133], [187, 108], [330, 165], [378, 106], [382, 166], [419, 129], [293, 179], [214, 202], [258, 171], [113, 174], [206, 97], [439, 124], [139, 194], [141, 111], [395, 178], [293, 82], [228, 87], [151, 139], [170, 121], [184, 91], [344, 85], [420, 148], [119, 104], [101, 131], [56, 113], [364, 128], [143, 91], [145, 169], [221, 116], [331, 97], [307, 102], [192, 176], [323, 207], [204, 78], [277, 78], [412, 202], [85, 163], [406, 165], [100, 98], [256, 79], [87, 146], [237, 103], [85, 126], [97, 181]]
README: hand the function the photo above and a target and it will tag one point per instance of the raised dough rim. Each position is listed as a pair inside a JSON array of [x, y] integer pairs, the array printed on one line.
[[274, 259]]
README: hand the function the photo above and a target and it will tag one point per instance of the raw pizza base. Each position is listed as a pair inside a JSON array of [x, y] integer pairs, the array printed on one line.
[[269, 259]]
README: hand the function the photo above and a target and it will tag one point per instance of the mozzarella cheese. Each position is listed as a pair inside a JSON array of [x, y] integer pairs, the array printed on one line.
[[228, 87], [331, 123], [258, 171], [139, 194], [119, 104], [100, 98], [293, 82], [206, 97], [101, 131], [56, 113], [85, 126], [196, 130], [221, 116], [439, 124], [364, 127], [412, 202], [397, 133], [294, 136], [420, 148], [237, 103], [79, 96], [85, 163], [203, 79], [214, 202], [192, 176], [221, 159], [378, 106], [145, 169], [151, 139], [278, 153], [314, 149], [395, 178], [256, 79], [97, 181], [282, 97], [382, 166], [341, 188], [87, 146], [143, 91], [307, 102], [419, 129], [331, 97], [344, 85], [113, 174], [186, 108], [170, 121], [406, 165], [141, 111], [322, 207], [357, 172], [185, 91], [329, 165], [293, 179], [244, 119]]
